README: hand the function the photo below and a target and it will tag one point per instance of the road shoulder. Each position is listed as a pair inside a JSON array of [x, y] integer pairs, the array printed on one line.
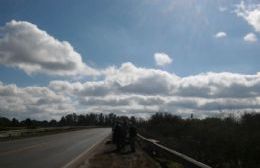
[[105, 156]]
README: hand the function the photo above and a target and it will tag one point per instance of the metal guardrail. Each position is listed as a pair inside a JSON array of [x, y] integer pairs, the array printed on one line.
[[185, 160]]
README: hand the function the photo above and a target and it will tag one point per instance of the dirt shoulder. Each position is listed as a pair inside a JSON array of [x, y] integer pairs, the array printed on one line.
[[106, 156]]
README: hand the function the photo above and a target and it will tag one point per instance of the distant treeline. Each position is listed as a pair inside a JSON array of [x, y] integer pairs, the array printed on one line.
[[221, 143], [68, 120]]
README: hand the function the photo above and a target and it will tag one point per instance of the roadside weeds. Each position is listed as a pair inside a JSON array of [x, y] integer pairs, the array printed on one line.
[[105, 155]]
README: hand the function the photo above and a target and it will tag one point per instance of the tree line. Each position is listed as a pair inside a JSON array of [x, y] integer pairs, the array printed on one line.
[[68, 120], [221, 143]]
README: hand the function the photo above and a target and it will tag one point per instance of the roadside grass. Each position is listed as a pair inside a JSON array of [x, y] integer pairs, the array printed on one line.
[[108, 157]]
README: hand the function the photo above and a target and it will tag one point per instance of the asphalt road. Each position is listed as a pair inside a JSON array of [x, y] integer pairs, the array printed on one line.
[[50, 151]]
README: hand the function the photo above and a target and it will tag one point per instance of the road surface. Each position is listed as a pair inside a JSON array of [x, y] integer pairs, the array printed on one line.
[[51, 151]]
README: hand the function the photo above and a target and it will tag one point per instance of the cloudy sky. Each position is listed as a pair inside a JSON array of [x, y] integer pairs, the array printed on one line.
[[130, 57]]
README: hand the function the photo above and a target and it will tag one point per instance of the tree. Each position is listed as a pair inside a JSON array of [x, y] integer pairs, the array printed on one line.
[[15, 122]]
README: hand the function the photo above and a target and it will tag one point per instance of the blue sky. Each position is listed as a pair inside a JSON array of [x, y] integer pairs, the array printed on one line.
[[110, 33]]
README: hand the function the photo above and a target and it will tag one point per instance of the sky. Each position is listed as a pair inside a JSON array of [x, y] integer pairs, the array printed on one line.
[[129, 57]]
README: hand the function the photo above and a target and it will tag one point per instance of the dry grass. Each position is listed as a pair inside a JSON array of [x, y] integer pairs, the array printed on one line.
[[107, 157]]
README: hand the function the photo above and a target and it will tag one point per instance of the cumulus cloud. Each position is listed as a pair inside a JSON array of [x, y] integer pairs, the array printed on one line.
[[162, 59], [34, 102], [131, 90], [127, 79], [250, 37], [127, 89], [251, 13], [23, 45], [220, 35]]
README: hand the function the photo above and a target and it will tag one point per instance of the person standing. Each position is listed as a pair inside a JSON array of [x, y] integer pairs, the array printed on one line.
[[124, 134], [117, 135], [132, 136]]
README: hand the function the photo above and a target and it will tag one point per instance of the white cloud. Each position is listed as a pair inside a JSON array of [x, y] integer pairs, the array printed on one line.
[[127, 79], [162, 59], [222, 9], [131, 90], [126, 89], [220, 35], [250, 37], [25, 46], [251, 13], [35, 102], [140, 92]]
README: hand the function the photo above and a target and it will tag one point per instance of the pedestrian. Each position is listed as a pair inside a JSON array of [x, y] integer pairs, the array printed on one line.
[[124, 134], [114, 132], [118, 135], [132, 136]]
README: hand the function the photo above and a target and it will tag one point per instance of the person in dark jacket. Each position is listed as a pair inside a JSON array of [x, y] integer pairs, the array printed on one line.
[[117, 135], [132, 136], [124, 134], [114, 132]]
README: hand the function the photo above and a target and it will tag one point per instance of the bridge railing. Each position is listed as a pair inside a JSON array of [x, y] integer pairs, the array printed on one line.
[[161, 151]]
